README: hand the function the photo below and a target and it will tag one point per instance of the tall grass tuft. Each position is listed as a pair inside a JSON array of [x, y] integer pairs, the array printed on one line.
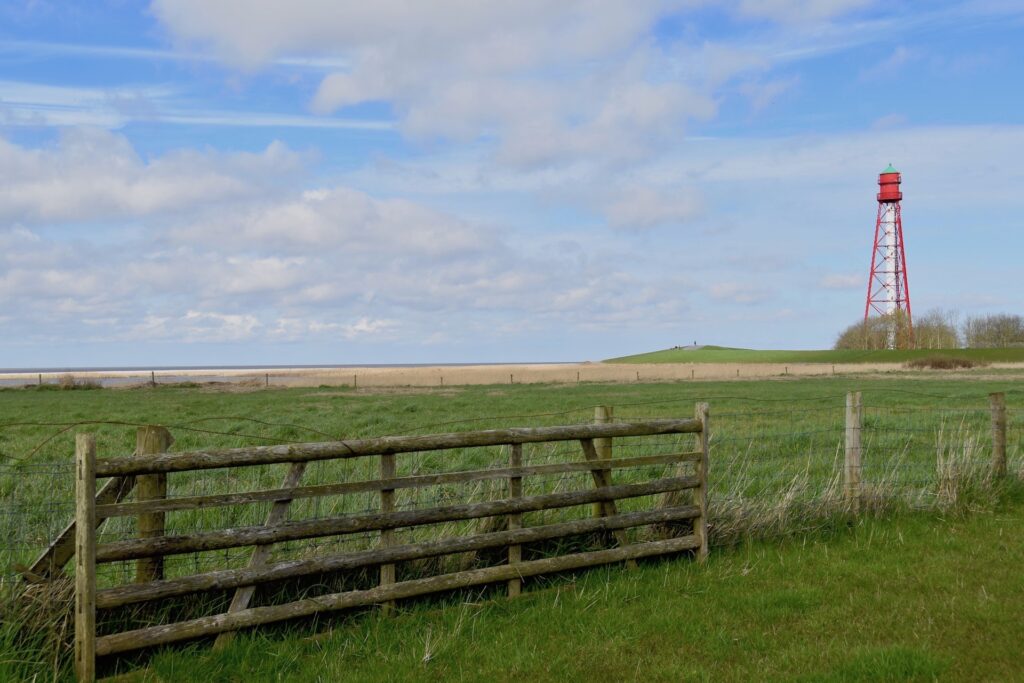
[[36, 631]]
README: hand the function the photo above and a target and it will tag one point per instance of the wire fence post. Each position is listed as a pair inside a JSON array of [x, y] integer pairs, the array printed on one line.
[[852, 469], [701, 412], [997, 405], [150, 440], [85, 557]]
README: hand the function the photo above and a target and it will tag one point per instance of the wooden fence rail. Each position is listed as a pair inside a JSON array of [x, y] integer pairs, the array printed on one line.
[[509, 532]]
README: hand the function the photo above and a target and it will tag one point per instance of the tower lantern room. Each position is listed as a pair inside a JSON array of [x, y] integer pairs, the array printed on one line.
[[889, 185]]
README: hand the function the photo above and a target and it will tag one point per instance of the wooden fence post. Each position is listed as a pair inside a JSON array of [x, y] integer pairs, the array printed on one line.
[[150, 440], [387, 536], [997, 403], [602, 415], [515, 521], [700, 524], [603, 450], [85, 557], [852, 468]]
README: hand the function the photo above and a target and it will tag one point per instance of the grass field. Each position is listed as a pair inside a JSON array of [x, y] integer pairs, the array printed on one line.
[[910, 598], [772, 441], [721, 354]]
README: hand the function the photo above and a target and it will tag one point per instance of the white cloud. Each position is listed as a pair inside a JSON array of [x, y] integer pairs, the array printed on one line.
[[798, 11], [367, 327], [339, 219], [43, 105], [551, 82], [93, 174], [843, 281], [764, 93], [226, 257], [739, 293], [645, 207], [891, 65], [196, 326], [492, 36]]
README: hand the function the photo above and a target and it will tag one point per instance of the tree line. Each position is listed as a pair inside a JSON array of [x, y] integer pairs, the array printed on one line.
[[936, 329]]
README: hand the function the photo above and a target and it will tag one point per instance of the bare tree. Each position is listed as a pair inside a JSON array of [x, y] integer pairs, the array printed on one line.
[[994, 331], [936, 329]]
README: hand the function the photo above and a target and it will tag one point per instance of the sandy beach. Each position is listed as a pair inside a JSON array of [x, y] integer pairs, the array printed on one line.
[[445, 375]]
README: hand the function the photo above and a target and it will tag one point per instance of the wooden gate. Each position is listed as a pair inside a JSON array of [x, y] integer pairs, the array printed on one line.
[[653, 491]]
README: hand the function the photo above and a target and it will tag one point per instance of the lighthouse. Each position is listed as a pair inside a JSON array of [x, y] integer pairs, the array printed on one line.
[[888, 287]]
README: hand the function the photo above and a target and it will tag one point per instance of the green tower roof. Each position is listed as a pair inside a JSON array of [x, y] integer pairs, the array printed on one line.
[[890, 169]]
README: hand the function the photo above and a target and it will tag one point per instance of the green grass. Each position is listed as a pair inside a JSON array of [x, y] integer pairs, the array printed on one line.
[[720, 354], [766, 432], [910, 598], [773, 440]]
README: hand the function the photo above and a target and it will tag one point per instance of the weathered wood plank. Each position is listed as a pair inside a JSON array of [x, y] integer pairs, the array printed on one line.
[[232, 538], [205, 626], [262, 553], [290, 569], [291, 493], [262, 455], [515, 521], [603, 479], [62, 547], [85, 557], [387, 536]]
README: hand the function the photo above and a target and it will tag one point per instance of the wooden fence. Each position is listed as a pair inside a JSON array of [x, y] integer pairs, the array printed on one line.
[[145, 477]]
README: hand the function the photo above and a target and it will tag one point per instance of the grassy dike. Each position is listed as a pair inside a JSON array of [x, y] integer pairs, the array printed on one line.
[[721, 354], [911, 597]]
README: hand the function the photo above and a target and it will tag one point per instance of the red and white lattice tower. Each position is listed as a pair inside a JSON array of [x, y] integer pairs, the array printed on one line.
[[888, 288]]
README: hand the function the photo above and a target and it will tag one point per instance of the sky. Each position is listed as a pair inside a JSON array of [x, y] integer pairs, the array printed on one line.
[[229, 182]]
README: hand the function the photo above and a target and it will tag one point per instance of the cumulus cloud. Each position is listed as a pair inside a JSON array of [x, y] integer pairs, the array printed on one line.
[[196, 326], [242, 262], [94, 174], [551, 82], [639, 208], [498, 36], [335, 218]]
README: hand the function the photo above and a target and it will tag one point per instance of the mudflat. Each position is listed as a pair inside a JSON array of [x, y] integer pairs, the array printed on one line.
[[512, 373]]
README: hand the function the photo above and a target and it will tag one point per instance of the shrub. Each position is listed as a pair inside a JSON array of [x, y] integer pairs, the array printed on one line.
[[876, 333], [943, 363], [68, 382]]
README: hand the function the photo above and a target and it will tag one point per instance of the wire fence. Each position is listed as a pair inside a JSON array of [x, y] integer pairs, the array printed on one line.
[[773, 456]]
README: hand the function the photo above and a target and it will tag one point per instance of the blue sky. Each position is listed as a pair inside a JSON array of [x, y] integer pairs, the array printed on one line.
[[319, 181]]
